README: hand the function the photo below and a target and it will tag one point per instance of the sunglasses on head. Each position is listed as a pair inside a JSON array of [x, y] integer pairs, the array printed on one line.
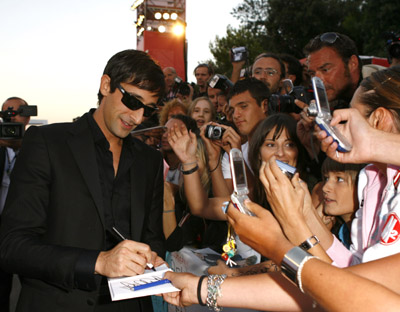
[[133, 103], [329, 37]]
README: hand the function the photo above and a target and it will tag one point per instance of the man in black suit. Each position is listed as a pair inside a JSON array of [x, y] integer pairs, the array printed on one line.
[[8, 153], [73, 183]]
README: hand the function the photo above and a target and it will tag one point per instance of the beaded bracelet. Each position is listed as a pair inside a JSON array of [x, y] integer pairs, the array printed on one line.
[[299, 283], [214, 291]]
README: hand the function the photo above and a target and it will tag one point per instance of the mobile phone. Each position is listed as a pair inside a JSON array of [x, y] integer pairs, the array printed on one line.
[[287, 169], [240, 189], [323, 118]]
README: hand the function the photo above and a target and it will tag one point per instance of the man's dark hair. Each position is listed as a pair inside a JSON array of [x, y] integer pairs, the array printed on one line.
[[189, 122], [343, 45], [209, 68], [258, 90], [294, 67], [136, 68], [276, 57]]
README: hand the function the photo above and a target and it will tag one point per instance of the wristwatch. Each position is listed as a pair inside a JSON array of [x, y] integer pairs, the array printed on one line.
[[309, 243]]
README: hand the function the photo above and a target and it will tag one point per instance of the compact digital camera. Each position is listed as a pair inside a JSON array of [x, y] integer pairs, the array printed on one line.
[[214, 132], [240, 189], [323, 117]]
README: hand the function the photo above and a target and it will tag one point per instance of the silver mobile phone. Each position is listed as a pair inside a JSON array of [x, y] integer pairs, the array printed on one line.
[[240, 189], [323, 118], [287, 169]]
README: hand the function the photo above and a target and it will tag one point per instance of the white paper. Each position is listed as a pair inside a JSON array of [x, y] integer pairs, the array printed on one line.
[[122, 287]]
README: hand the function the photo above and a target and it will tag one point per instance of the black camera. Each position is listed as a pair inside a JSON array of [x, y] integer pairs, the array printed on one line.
[[239, 54], [393, 45], [214, 132], [15, 130], [220, 82], [284, 103]]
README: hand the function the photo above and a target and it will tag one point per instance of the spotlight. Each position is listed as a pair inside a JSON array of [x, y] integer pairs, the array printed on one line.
[[136, 4], [157, 15], [161, 29], [178, 29], [174, 16], [165, 16], [140, 20], [140, 31], [148, 28]]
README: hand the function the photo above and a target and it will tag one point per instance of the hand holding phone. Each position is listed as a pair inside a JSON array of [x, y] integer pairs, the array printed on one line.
[[323, 118], [240, 189]]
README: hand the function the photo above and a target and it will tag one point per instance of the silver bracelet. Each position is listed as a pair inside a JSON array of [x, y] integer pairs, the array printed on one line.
[[299, 283], [214, 291]]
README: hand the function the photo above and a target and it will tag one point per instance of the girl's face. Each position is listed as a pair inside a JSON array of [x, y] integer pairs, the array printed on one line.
[[338, 191], [282, 148], [201, 113]]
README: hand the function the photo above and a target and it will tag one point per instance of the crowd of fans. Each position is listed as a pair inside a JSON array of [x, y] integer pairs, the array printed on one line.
[[257, 114], [341, 208]]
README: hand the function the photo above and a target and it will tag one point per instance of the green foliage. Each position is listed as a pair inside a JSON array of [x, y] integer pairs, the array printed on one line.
[[285, 26]]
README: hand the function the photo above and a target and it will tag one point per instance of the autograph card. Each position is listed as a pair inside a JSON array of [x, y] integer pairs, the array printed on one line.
[[123, 287]]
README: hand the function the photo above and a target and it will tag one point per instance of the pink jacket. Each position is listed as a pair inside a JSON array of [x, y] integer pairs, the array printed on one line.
[[375, 230]]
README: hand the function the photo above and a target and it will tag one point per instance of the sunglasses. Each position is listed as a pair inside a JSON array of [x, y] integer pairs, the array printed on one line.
[[329, 37], [133, 103]]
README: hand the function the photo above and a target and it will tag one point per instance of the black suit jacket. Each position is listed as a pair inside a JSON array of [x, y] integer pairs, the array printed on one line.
[[54, 214]]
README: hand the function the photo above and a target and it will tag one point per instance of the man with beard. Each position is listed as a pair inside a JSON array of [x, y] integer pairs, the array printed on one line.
[[269, 68]]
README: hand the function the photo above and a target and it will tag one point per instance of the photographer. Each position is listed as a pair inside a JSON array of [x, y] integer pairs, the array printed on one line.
[[393, 48], [9, 149], [217, 91]]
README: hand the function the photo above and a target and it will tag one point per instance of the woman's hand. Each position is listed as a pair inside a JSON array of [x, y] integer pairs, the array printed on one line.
[[183, 143], [356, 130], [261, 232], [286, 197], [187, 283]]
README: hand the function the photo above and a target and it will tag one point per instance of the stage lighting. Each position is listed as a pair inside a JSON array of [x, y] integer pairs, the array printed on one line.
[[157, 15], [161, 29], [136, 4], [166, 16], [174, 16]]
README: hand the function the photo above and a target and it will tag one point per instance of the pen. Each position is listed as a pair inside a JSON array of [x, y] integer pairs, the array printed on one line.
[[152, 284], [149, 265]]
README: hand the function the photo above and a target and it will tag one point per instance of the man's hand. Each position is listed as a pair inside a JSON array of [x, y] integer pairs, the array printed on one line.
[[230, 139], [128, 258], [305, 130]]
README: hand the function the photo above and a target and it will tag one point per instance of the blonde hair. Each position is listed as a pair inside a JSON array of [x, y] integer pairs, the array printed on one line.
[[210, 104], [167, 108]]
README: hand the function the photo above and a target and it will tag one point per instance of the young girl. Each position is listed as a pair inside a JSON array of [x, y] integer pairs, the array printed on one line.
[[340, 196], [202, 110]]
